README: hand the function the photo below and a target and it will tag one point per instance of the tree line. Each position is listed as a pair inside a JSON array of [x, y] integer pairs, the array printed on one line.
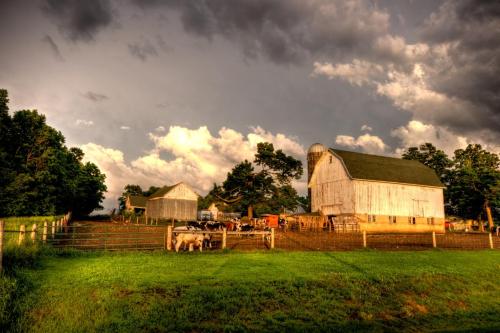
[[471, 177], [39, 175]]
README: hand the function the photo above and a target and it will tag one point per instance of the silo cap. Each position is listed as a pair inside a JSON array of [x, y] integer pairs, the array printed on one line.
[[317, 148]]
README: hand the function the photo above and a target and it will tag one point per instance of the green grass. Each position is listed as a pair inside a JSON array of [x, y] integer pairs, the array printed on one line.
[[258, 291]]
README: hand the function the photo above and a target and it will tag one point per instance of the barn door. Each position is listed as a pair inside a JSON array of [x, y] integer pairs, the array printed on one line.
[[418, 207]]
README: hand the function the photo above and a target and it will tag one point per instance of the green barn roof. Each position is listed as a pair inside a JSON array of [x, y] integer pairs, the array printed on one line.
[[387, 169], [138, 201], [162, 191]]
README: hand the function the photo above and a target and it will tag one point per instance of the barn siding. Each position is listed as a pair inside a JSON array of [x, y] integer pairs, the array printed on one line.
[[378, 198], [178, 209], [332, 192], [182, 191]]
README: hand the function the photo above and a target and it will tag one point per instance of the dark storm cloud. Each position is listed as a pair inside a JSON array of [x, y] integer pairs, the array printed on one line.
[[79, 20], [53, 47], [95, 97], [142, 50], [471, 31], [284, 31]]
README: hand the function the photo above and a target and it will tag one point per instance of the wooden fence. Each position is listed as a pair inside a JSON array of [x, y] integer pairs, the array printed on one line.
[[330, 241], [113, 236]]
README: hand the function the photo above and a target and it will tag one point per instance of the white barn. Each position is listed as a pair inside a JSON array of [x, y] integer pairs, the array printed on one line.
[[374, 193]]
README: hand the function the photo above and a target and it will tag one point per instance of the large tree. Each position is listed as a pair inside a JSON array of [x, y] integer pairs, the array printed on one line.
[[474, 182], [472, 178], [39, 174], [430, 156], [265, 184]]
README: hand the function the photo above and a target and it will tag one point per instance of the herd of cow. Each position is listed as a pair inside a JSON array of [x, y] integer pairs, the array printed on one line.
[[192, 236]]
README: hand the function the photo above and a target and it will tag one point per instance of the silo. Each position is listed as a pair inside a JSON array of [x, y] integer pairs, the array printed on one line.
[[313, 155]]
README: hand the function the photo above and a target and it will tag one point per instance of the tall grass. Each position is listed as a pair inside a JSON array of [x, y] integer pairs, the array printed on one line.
[[13, 223]]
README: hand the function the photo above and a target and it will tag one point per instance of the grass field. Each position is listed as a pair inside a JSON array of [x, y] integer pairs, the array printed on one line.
[[259, 291], [13, 223]]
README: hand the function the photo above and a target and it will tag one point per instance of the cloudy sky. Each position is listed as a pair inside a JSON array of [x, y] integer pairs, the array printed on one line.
[[157, 92]]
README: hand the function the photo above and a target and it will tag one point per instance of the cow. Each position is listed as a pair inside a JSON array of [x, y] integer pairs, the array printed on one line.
[[246, 227], [213, 226], [189, 239], [196, 224], [231, 226]]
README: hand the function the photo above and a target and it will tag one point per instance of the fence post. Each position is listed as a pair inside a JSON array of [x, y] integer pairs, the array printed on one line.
[[491, 240], [1, 243], [272, 238], [33, 233], [224, 237], [45, 231], [53, 229], [22, 232], [434, 244], [169, 238], [364, 238]]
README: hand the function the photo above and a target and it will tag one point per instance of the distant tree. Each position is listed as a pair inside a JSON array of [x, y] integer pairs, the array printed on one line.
[[129, 189], [430, 156], [90, 190], [150, 191], [268, 186], [206, 201]]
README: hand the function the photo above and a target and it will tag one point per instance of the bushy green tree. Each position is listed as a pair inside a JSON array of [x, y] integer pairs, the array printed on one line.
[[472, 178], [265, 185], [474, 182], [430, 156], [40, 175]]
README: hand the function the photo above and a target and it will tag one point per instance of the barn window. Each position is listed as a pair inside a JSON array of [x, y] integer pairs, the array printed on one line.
[[430, 220], [412, 220], [371, 218], [392, 219], [331, 159]]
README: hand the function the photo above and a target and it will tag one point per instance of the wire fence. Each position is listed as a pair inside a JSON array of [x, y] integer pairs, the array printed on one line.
[[126, 236]]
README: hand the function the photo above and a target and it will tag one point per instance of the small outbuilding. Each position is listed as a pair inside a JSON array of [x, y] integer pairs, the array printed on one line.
[[136, 203], [178, 202]]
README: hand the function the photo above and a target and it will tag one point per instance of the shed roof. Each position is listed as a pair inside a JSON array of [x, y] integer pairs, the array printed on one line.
[[138, 201], [165, 189], [162, 191], [387, 169]]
